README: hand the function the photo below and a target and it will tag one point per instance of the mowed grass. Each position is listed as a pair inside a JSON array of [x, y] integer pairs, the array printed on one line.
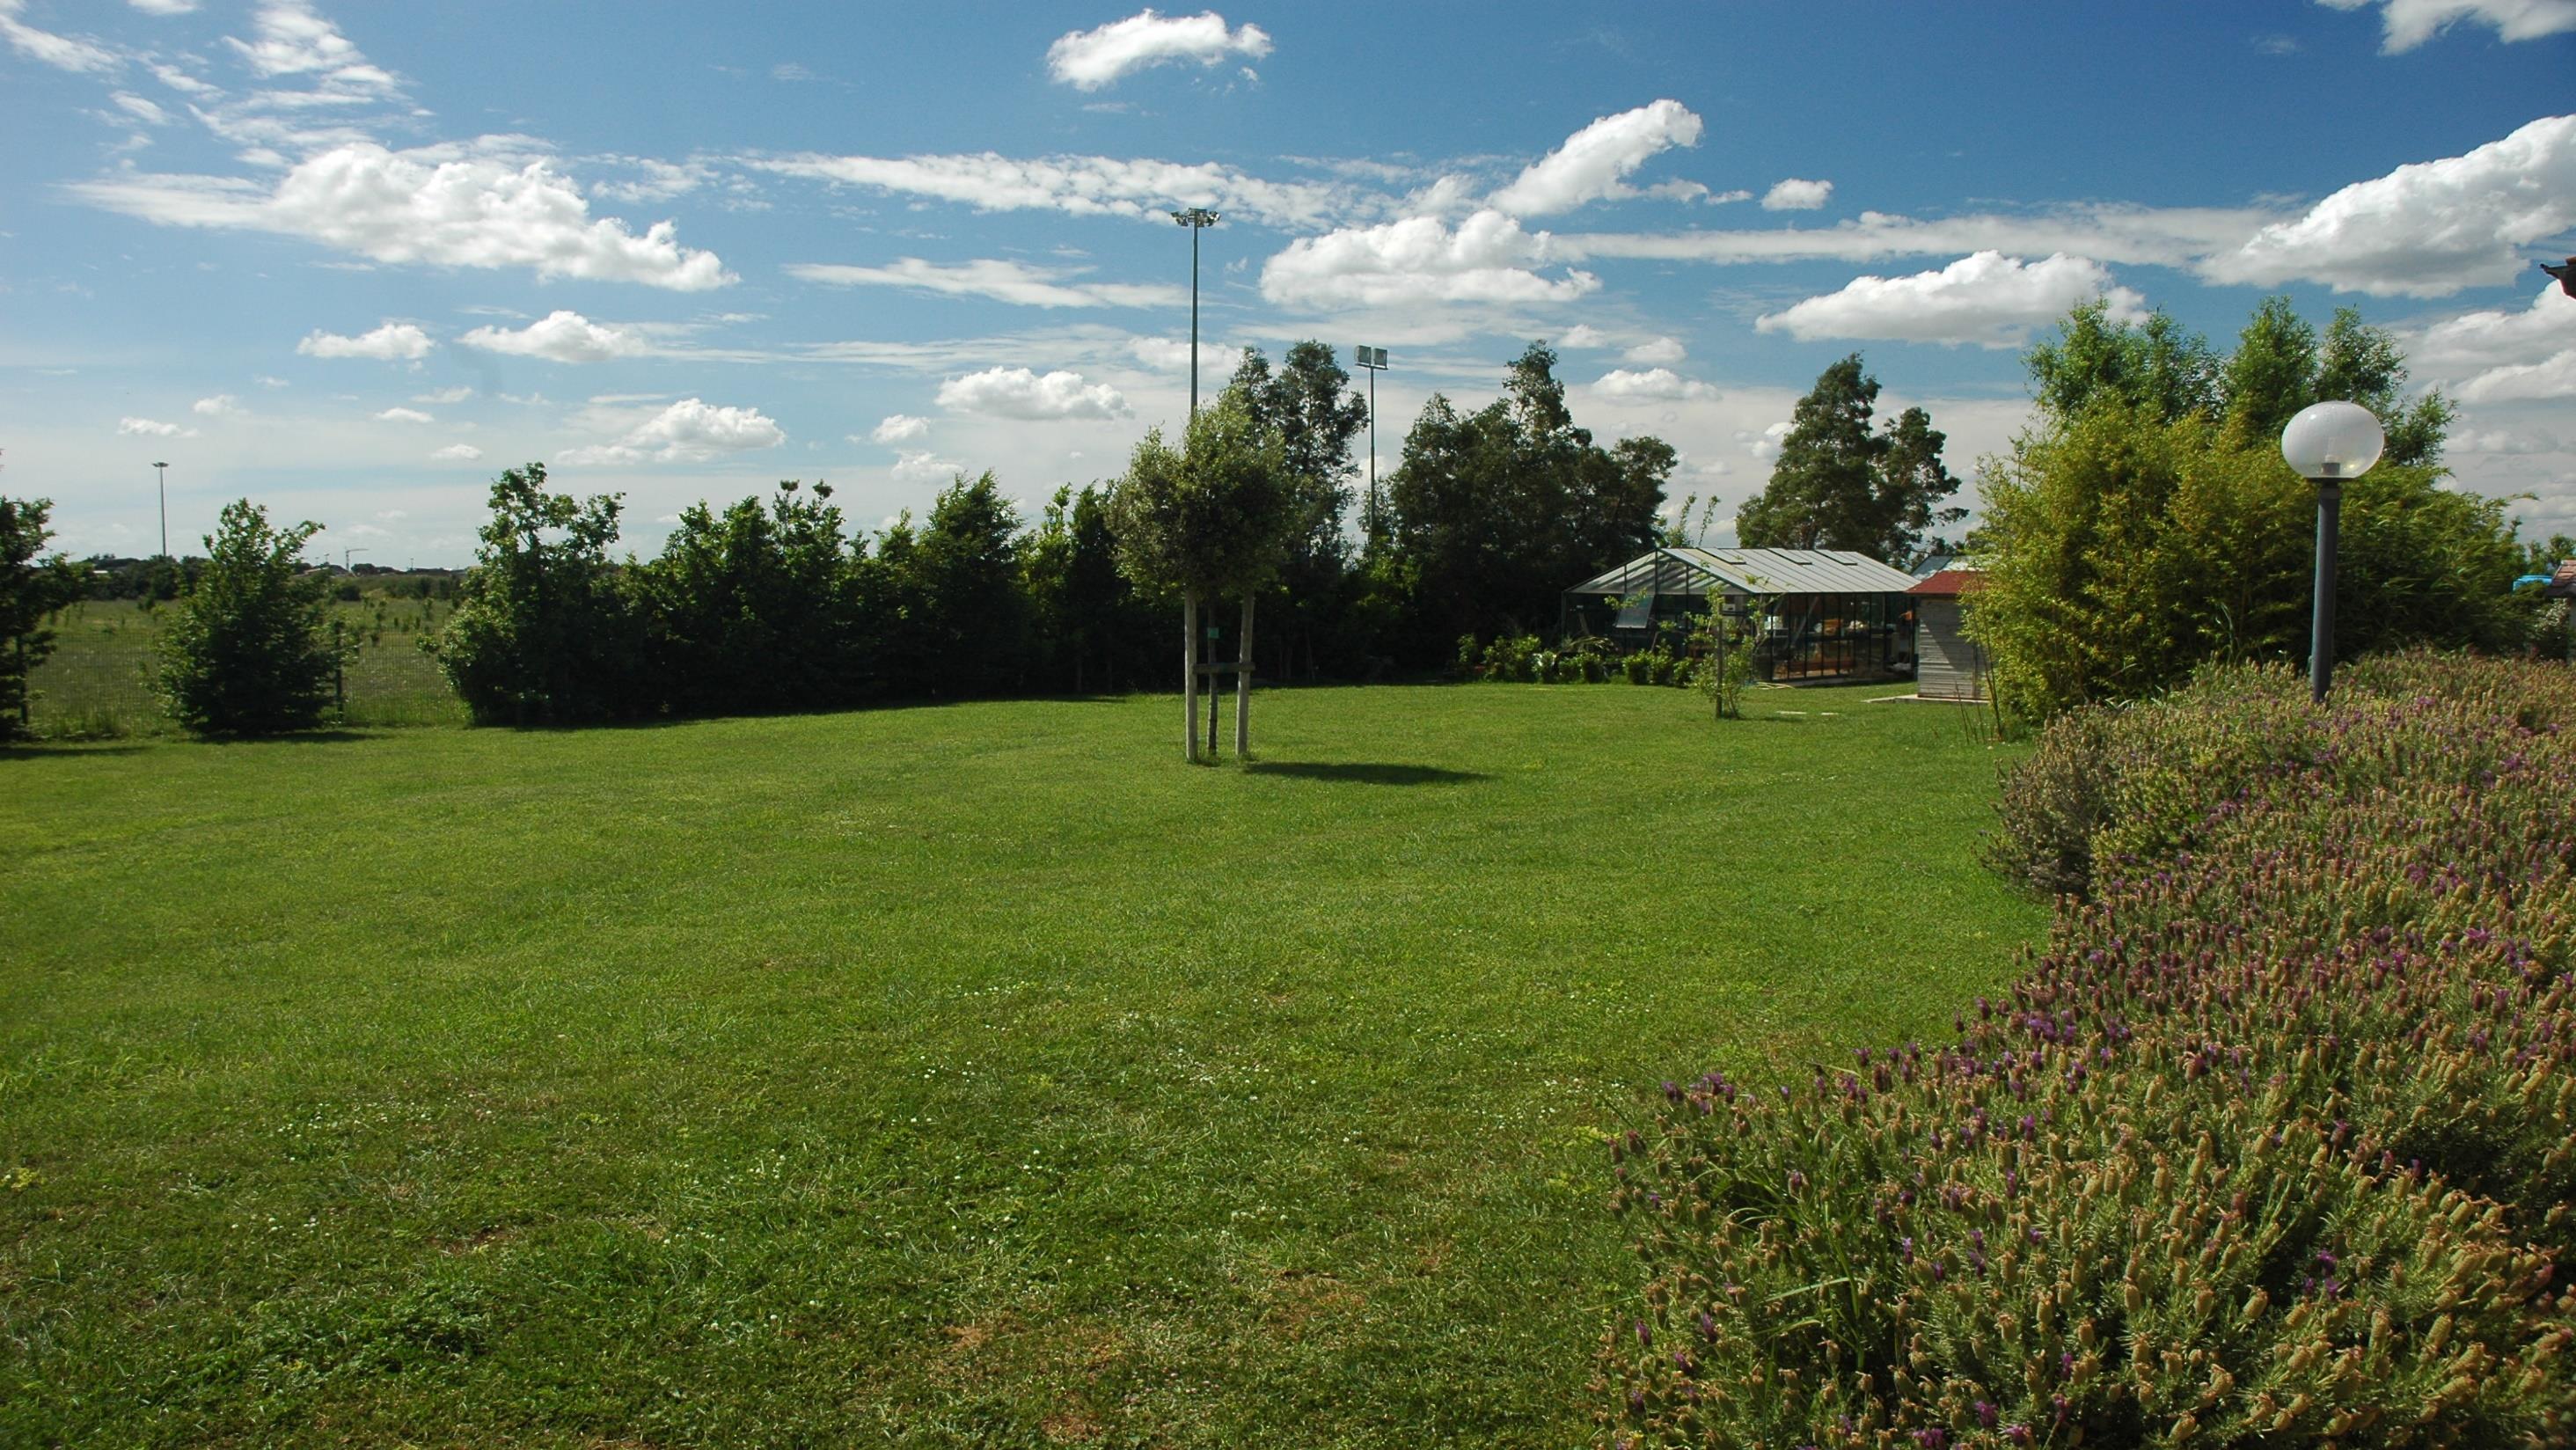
[[946, 1076]]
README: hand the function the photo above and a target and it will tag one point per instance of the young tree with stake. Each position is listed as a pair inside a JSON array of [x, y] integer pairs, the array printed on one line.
[[1209, 520]]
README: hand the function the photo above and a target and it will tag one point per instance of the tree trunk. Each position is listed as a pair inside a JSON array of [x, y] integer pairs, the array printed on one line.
[[1190, 677], [1243, 685]]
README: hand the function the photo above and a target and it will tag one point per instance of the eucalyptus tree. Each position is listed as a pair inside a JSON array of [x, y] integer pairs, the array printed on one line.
[[1840, 484]]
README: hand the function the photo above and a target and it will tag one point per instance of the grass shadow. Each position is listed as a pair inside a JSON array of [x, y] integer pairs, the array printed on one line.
[[31, 749], [1365, 772]]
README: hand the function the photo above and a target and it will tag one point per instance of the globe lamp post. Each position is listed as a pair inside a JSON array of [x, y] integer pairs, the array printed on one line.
[[2329, 444]]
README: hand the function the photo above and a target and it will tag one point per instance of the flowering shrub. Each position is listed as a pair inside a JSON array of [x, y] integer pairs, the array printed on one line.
[[2270, 1145]]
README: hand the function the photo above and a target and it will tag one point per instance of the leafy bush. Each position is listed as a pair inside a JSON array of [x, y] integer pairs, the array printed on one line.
[[249, 650], [2146, 524], [30, 591], [544, 631], [2269, 1146], [1512, 659]]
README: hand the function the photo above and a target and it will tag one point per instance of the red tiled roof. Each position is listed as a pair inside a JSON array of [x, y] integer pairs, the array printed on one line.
[[1950, 583]]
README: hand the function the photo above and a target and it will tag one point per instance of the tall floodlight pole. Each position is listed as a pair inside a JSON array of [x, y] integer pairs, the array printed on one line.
[[1197, 219], [2330, 444], [1373, 360], [164, 470]]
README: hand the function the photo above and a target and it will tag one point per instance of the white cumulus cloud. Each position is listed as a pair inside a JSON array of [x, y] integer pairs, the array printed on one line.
[[2458, 348], [458, 453], [1488, 258], [560, 336], [1162, 354], [2503, 357], [294, 41], [2409, 23], [1594, 163], [164, 7], [2428, 228], [148, 428], [63, 52], [1003, 392], [1987, 299], [899, 428], [1002, 281], [1655, 351], [140, 109], [688, 431], [432, 207], [1651, 385], [2108, 232], [218, 406], [394, 341], [1796, 195], [1141, 188], [404, 415], [1090, 59], [923, 467]]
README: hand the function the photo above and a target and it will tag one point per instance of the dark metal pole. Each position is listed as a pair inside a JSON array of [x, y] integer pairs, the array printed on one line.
[[1372, 520], [2321, 636], [1195, 229]]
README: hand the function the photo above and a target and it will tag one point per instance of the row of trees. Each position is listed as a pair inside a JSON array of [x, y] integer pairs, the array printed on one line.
[[777, 605], [2145, 523]]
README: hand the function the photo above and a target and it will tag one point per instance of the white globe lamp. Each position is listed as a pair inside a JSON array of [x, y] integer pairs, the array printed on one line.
[[2329, 444]]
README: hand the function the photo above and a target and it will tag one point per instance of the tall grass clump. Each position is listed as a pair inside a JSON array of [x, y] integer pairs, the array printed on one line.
[[2269, 1145]]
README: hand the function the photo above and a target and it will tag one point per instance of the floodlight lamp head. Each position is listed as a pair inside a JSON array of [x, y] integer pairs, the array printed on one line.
[[2332, 442], [1197, 216], [160, 465]]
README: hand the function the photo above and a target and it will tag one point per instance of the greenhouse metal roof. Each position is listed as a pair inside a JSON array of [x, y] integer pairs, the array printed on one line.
[[1688, 571]]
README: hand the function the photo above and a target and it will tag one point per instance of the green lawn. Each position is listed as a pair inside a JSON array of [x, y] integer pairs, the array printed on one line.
[[971, 1075]]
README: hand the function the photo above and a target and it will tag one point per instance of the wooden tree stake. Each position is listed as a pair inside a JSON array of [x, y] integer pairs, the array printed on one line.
[[1190, 677], [1243, 685]]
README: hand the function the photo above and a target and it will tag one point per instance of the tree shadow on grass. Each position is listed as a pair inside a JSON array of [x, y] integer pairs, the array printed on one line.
[[34, 750], [1365, 772]]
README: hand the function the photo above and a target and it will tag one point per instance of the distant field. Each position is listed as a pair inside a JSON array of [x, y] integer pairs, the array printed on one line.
[[947, 1076], [93, 685]]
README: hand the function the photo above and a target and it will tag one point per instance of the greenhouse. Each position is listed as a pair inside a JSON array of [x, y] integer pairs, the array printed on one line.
[[1828, 614]]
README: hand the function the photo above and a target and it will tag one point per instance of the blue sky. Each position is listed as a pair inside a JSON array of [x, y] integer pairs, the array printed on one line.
[[351, 258]]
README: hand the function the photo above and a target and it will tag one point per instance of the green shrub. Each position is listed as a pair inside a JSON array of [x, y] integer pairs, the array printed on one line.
[[250, 650], [1512, 659], [1639, 668], [2270, 1145]]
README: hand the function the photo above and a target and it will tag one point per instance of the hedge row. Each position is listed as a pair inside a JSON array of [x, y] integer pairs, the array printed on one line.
[[2270, 1145]]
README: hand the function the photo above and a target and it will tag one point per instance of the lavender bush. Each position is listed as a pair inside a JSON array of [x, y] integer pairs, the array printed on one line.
[[2270, 1145]]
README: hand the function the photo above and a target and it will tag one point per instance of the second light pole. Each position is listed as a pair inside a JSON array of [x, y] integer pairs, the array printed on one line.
[[1197, 219], [1373, 360]]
